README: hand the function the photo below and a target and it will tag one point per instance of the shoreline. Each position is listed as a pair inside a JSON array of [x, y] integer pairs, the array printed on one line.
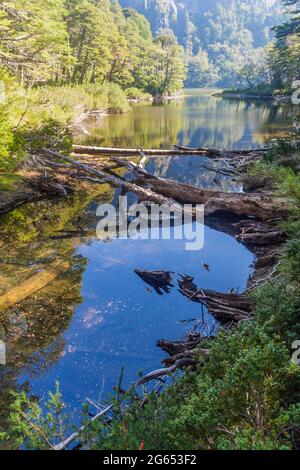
[[252, 96]]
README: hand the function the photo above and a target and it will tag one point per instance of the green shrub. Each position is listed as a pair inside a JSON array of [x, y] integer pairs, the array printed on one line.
[[134, 93]]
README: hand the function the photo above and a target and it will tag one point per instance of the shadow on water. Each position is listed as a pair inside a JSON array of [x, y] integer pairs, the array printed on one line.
[[96, 315]]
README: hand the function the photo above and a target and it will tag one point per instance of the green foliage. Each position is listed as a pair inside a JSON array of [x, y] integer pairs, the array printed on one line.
[[60, 59], [82, 41], [134, 93], [220, 38], [9, 144], [201, 72], [288, 44], [278, 67], [33, 38], [50, 134], [36, 428]]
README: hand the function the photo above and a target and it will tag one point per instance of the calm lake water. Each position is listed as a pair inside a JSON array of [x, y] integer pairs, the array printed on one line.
[[200, 119], [97, 316]]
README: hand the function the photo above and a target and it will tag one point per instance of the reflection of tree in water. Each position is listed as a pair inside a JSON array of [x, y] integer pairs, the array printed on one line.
[[33, 329], [192, 170]]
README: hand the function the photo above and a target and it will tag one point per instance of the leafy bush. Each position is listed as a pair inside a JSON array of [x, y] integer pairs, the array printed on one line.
[[134, 93]]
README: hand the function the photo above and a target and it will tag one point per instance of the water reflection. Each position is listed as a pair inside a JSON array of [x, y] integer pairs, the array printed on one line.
[[200, 119], [97, 315]]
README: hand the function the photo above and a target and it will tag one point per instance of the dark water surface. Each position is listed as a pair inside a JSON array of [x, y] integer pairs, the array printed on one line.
[[97, 315]]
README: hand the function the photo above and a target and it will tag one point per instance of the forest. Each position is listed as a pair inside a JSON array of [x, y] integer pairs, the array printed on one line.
[[67, 58], [102, 98], [219, 38]]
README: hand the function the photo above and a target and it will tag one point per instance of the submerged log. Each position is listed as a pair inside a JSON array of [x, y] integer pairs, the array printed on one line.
[[159, 280], [33, 284], [224, 307]]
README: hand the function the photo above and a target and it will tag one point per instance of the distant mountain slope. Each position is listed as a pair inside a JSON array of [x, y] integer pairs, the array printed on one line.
[[224, 29]]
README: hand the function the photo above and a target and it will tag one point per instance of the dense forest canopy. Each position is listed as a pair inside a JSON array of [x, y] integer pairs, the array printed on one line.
[[77, 41], [219, 37], [65, 57]]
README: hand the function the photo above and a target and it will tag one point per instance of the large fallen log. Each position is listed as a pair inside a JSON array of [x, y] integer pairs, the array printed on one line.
[[99, 176], [255, 214], [86, 150], [260, 206], [224, 307]]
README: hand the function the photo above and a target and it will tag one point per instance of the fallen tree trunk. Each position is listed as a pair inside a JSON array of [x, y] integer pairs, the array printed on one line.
[[221, 152], [86, 150], [159, 280], [100, 177], [224, 307], [219, 206], [260, 206]]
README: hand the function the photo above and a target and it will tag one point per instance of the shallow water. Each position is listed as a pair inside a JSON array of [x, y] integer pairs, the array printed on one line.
[[97, 315]]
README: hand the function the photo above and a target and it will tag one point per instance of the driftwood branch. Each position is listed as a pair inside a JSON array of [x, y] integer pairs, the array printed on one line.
[[224, 307], [67, 442], [167, 370]]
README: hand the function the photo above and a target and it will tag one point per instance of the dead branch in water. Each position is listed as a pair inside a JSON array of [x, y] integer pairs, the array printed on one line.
[[67, 442], [224, 307], [167, 370], [182, 349]]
